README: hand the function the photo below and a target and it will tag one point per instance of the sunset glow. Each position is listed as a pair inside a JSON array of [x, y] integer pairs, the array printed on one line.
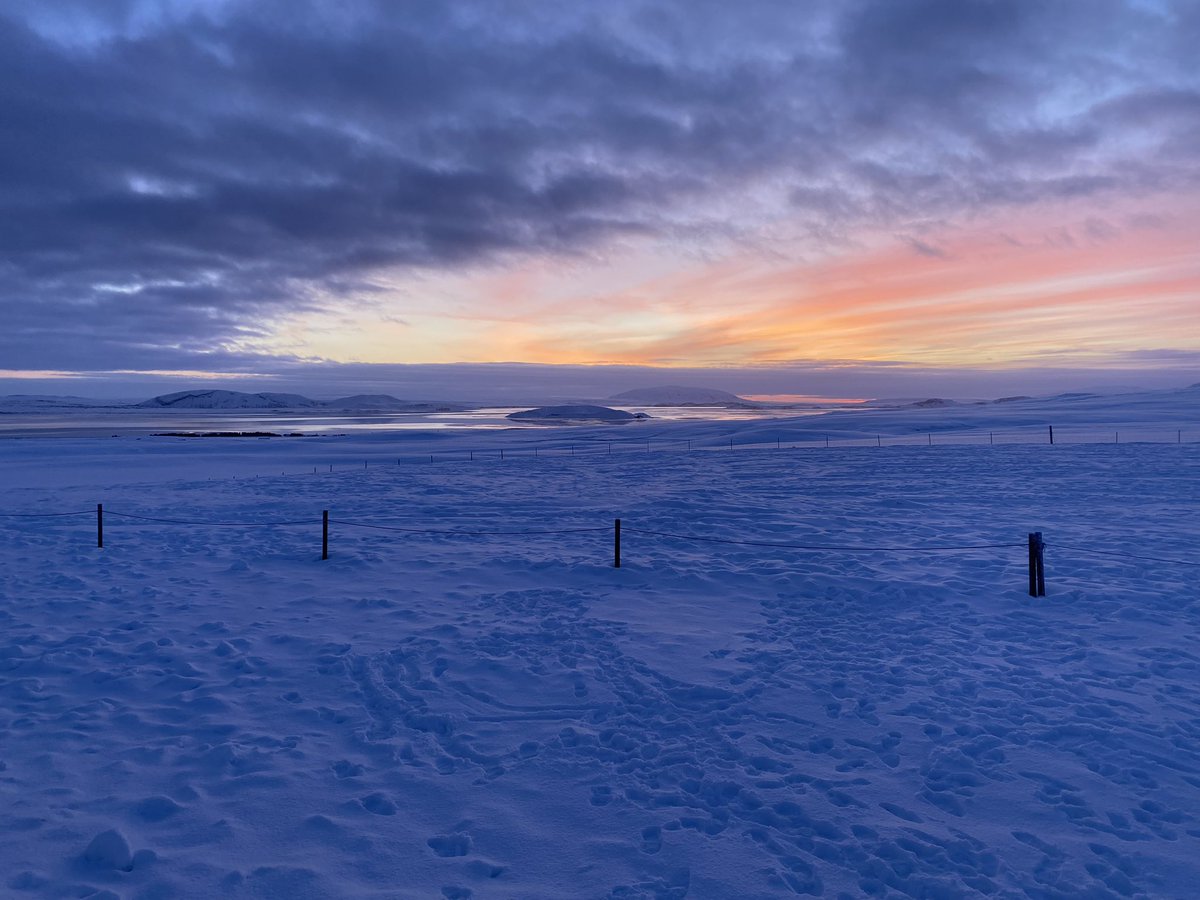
[[274, 191]]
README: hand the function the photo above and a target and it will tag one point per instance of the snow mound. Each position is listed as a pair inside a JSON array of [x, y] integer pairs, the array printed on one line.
[[676, 395], [580, 413], [109, 850], [229, 400]]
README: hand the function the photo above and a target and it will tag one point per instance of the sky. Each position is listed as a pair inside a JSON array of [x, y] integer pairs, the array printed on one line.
[[850, 198]]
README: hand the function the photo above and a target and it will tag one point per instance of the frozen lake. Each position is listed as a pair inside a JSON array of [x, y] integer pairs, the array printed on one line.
[[106, 422]]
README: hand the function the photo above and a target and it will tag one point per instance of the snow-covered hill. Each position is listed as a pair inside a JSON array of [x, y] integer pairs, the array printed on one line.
[[229, 400], [368, 401], [40, 402]]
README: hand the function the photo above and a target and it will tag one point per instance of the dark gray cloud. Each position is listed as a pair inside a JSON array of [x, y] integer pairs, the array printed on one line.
[[175, 175]]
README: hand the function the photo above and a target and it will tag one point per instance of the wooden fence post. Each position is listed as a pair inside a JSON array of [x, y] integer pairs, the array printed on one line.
[[99, 524], [616, 543], [324, 534], [1041, 565], [1051, 434], [1037, 565]]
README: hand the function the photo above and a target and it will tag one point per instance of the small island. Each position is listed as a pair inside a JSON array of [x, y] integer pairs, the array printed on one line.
[[579, 414]]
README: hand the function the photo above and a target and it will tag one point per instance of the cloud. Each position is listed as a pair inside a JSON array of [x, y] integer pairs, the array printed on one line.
[[178, 176]]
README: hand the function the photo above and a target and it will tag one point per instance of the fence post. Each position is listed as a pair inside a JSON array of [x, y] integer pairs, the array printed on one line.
[[1041, 565], [1051, 434], [930, 436], [324, 534], [616, 543], [99, 524], [1032, 564], [1037, 565], [991, 438], [878, 441], [826, 440]]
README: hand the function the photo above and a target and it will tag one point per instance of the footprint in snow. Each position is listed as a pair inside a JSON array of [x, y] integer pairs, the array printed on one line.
[[379, 804], [155, 809], [447, 845]]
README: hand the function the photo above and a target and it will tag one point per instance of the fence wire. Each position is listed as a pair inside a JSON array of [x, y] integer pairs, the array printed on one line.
[[1123, 555], [60, 515], [629, 530], [123, 515], [840, 549], [463, 533]]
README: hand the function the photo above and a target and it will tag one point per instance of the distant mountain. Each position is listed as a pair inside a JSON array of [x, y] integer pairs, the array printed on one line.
[[675, 395], [928, 403], [20, 402], [368, 401], [229, 400]]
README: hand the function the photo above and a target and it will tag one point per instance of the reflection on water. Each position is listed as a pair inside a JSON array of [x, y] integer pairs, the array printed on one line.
[[88, 423]]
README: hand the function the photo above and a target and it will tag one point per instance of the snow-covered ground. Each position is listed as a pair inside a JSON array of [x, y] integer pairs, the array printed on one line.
[[204, 711]]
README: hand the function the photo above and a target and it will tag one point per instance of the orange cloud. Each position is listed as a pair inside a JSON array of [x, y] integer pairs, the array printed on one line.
[[987, 298]]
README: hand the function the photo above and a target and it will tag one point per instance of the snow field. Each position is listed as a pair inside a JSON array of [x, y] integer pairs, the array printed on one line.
[[198, 712]]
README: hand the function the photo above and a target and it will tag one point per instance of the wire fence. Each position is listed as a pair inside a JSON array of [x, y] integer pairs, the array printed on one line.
[[520, 446], [1034, 543], [1034, 434]]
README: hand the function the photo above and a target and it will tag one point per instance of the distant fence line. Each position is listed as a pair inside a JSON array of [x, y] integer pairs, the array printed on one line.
[[1034, 543], [1034, 434]]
